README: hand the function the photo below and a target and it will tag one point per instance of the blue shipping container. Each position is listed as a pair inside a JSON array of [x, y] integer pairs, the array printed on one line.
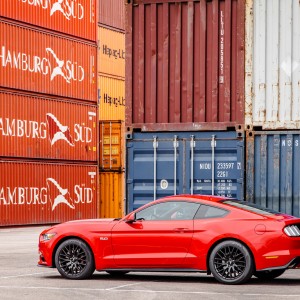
[[273, 170], [183, 163]]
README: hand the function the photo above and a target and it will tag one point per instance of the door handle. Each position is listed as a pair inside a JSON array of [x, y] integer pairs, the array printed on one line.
[[181, 230]]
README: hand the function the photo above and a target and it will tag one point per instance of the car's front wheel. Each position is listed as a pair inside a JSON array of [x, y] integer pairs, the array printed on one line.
[[74, 260], [268, 275], [231, 262]]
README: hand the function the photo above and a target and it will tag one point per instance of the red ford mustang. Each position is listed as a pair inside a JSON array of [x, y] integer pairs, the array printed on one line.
[[231, 239]]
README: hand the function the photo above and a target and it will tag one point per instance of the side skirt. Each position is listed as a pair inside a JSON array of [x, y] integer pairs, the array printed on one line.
[[155, 270]]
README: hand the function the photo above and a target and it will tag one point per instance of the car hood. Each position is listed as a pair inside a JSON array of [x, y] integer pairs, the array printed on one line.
[[92, 221], [81, 226]]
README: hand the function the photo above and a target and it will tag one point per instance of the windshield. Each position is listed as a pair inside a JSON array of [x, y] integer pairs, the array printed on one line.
[[252, 207]]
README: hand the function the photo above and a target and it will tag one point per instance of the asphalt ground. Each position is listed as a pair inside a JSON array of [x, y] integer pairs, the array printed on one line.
[[20, 278]]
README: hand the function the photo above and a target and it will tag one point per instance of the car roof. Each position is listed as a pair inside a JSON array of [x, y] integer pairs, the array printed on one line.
[[197, 197]]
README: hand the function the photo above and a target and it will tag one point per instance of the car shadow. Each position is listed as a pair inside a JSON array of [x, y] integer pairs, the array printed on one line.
[[180, 278]]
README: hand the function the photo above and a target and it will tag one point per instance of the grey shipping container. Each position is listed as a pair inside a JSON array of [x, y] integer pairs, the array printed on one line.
[[162, 164], [273, 170], [272, 64]]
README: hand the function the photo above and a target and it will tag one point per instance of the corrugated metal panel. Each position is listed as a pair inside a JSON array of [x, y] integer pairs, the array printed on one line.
[[185, 64], [273, 170], [273, 64], [111, 146], [47, 128], [111, 98], [40, 193], [183, 163], [36, 61], [111, 52], [75, 17], [112, 195], [112, 13]]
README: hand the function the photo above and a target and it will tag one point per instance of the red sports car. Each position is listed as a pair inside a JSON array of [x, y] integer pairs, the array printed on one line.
[[231, 239]]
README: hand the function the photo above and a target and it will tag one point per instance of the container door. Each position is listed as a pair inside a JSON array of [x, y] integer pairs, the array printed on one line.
[[209, 163], [273, 170], [215, 166], [154, 169]]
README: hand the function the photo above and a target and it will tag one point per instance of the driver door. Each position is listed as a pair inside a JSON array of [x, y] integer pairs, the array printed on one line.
[[160, 237]]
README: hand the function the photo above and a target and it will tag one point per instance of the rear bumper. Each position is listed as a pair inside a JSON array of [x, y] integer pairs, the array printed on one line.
[[293, 264]]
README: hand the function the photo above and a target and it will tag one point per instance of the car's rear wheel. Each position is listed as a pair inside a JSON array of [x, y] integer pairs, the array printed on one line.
[[268, 275], [74, 260], [231, 262]]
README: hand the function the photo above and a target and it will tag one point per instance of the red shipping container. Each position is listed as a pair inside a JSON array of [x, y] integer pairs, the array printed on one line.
[[36, 127], [185, 64], [37, 61], [112, 13], [74, 17], [40, 193]]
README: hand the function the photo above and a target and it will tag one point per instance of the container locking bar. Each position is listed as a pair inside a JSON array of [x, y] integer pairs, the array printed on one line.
[[213, 145], [175, 145], [155, 146], [110, 138], [192, 146]]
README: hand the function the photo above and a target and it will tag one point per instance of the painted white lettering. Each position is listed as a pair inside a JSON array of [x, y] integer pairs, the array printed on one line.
[[2, 197], [23, 128], [42, 3], [84, 195], [82, 134], [78, 193]]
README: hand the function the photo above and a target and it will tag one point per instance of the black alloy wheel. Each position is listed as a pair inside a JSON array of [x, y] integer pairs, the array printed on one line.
[[231, 262], [268, 275], [74, 260]]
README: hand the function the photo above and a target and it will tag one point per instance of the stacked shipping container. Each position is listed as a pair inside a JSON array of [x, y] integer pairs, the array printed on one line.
[[184, 61], [184, 71], [111, 99], [48, 111], [272, 107]]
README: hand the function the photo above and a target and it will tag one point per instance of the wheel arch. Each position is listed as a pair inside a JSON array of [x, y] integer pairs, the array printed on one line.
[[69, 238], [223, 240]]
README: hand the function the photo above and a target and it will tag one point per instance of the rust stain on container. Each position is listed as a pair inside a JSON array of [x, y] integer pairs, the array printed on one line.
[[47, 128], [112, 194], [188, 66], [111, 146], [112, 13], [111, 98], [74, 17], [111, 52], [41, 193], [37, 61]]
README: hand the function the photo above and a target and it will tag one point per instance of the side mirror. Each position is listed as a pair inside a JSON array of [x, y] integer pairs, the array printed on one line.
[[130, 218]]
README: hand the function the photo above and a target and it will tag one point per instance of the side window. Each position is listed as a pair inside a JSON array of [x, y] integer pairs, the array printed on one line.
[[206, 211], [172, 210]]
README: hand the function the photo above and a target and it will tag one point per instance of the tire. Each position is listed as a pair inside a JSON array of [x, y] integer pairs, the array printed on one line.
[[117, 273], [268, 275], [74, 260], [231, 262]]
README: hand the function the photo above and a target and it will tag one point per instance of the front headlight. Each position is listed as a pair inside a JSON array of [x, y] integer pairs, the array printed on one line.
[[292, 230], [47, 236]]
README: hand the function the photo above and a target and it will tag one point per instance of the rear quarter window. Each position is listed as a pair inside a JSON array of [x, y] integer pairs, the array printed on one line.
[[207, 211]]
